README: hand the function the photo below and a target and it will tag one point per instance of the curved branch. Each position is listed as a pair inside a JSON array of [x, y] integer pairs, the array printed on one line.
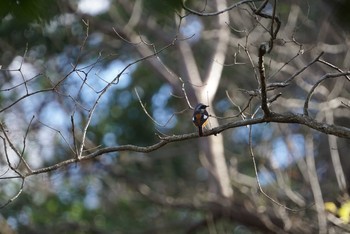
[[14, 197], [218, 12], [323, 78]]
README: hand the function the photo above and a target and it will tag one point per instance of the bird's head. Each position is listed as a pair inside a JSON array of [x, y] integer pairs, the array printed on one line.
[[201, 106]]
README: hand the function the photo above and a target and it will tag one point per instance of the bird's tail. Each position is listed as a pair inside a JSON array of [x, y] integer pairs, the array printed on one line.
[[200, 131]]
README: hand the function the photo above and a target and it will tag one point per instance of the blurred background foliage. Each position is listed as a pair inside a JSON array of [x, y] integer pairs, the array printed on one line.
[[104, 195]]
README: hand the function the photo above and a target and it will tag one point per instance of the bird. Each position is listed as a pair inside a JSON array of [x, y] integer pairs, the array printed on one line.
[[200, 117]]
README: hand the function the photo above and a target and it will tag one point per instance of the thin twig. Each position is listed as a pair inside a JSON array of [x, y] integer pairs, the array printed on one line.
[[75, 145], [323, 78], [334, 67], [218, 12], [20, 69], [19, 155], [257, 175], [15, 196], [185, 93], [24, 146], [304, 68]]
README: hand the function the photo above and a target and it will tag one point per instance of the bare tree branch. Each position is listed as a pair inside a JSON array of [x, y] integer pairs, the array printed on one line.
[[323, 78], [220, 11], [264, 107]]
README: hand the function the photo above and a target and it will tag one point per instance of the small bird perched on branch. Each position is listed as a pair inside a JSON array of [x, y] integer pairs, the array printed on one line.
[[200, 117]]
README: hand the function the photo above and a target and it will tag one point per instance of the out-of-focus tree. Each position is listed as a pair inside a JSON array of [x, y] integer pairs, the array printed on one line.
[[96, 104]]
